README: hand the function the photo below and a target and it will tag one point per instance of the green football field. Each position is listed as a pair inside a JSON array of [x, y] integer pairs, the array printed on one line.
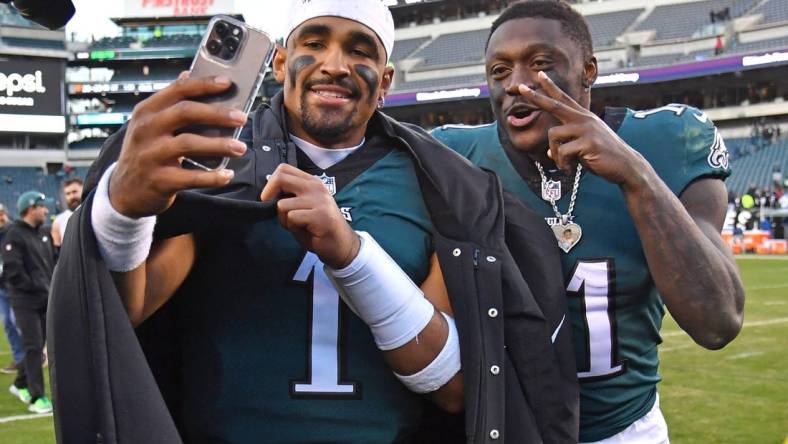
[[738, 395]]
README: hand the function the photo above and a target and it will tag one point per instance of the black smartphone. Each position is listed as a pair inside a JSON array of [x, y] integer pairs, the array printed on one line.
[[240, 52]]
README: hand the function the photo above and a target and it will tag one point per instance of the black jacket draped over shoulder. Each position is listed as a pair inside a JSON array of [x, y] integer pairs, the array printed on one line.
[[500, 262]]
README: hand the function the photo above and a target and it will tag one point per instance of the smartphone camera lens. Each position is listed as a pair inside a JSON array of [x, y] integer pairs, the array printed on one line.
[[214, 46], [222, 29], [231, 43]]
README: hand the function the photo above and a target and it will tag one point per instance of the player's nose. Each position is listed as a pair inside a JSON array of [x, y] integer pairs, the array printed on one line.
[[517, 78], [335, 63]]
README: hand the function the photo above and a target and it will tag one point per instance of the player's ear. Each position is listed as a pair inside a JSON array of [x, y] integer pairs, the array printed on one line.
[[387, 80], [590, 72], [280, 63]]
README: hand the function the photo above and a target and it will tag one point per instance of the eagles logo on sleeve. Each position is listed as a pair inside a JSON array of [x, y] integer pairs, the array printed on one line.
[[718, 157]]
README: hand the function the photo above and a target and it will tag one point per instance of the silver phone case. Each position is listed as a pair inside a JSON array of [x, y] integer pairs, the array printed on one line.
[[247, 70]]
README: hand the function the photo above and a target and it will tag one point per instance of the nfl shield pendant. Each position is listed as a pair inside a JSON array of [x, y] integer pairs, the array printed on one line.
[[330, 183], [568, 235], [551, 190]]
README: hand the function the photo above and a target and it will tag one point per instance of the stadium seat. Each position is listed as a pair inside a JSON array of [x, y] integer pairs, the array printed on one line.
[[33, 43], [683, 20], [445, 82], [16, 180], [404, 48], [773, 11], [10, 17], [606, 27], [776, 43], [755, 168], [456, 49]]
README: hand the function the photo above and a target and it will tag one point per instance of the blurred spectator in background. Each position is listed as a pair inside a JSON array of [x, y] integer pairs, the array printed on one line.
[[29, 260], [721, 15], [72, 192], [6, 315], [783, 201]]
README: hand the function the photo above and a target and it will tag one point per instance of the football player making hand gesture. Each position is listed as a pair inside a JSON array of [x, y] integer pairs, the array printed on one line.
[[636, 201]]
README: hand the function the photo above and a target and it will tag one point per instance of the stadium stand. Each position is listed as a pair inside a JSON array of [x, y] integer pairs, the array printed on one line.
[[136, 75], [33, 43], [657, 60], [404, 48], [776, 43], [86, 144], [756, 168], [10, 17], [667, 59], [16, 180], [173, 41], [456, 49], [165, 41], [683, 20], [444, 82], [773, 11], [120, 42], [606, 27]]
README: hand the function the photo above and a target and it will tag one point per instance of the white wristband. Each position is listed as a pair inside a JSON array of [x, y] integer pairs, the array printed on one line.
[[441, 369], [123, 242], [382, 295]]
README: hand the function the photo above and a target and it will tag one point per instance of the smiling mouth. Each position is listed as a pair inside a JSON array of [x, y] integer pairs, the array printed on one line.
[[331, 94]]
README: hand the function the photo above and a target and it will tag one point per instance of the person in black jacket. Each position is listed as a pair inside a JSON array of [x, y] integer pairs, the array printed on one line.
[[28, 261], [11, 332], [241, 321]]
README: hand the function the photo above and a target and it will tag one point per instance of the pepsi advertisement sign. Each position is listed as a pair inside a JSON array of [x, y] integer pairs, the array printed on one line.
[[32, 94]]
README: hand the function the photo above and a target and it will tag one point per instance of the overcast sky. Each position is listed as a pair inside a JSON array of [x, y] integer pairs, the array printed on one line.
[[92, 17]]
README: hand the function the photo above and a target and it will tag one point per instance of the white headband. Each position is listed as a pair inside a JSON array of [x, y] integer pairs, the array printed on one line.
[[371, 13]]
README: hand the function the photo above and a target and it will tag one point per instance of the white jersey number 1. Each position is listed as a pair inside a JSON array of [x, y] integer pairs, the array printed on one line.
[[323, 374], [591, 282]]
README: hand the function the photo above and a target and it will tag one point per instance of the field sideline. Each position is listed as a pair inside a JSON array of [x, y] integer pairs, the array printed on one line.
[[738, 395]]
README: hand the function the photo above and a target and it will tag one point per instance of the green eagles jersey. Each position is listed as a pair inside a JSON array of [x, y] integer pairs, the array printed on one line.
[[614, 306], [270, 352]]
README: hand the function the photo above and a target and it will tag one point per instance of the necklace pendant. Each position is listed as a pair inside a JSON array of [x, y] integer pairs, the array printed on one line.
[[567, 235], [551, 190]]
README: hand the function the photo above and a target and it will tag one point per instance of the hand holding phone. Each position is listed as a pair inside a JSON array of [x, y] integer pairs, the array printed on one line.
[[194, 122], [231, 49], [149, 173]]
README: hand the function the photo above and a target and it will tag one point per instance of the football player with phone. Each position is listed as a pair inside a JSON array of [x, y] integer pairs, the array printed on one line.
[[241, 53]]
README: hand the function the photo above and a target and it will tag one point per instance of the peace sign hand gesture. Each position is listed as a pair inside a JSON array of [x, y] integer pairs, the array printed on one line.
[[583, 137]]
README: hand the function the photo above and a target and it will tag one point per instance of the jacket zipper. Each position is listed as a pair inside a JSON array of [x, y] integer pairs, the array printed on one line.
[[481, 419]]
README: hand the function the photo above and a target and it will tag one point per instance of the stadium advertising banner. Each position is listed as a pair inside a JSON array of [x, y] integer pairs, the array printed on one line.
[[719, 65], [31, 94], [175, 8]]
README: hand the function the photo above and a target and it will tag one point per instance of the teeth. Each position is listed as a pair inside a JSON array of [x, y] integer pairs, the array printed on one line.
[[330, 94]]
